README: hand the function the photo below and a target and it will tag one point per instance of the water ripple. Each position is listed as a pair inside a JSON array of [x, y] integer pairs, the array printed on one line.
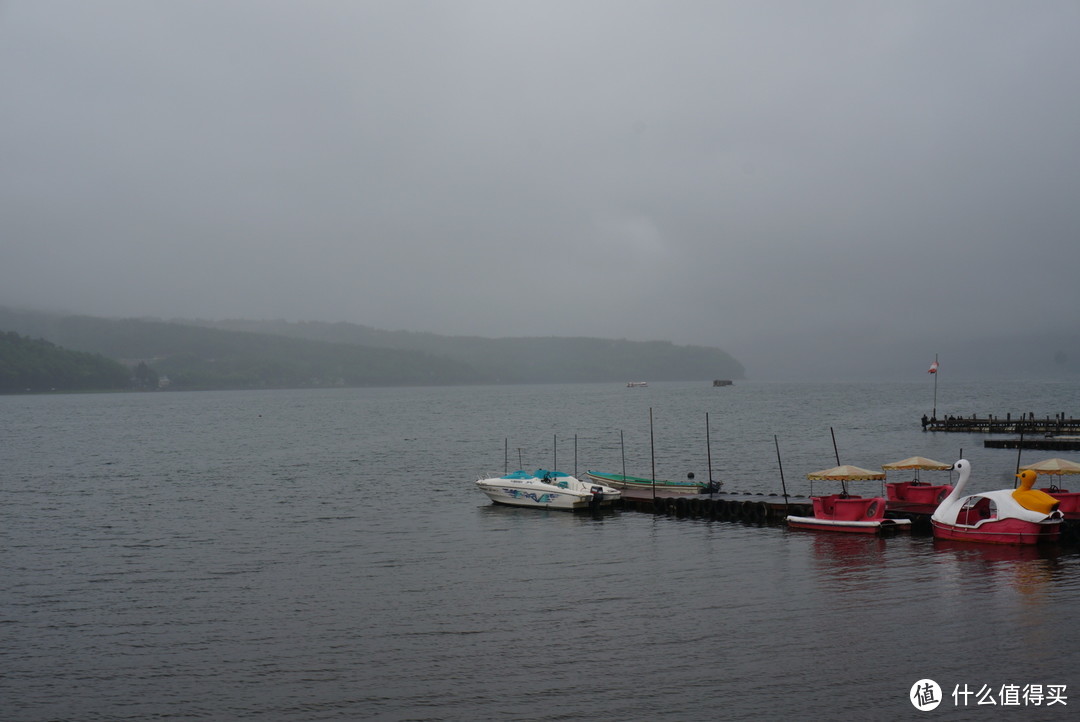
[[324, 555]]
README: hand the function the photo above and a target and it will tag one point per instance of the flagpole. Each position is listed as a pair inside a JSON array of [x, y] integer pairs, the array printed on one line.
[[936, 372]]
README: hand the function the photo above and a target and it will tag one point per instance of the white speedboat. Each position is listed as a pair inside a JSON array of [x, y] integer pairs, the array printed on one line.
[[545, 489]]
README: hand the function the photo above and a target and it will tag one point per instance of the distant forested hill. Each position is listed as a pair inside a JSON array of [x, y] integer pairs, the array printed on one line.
[[184, 356], [247, 354], [28, 364], [527, 360]]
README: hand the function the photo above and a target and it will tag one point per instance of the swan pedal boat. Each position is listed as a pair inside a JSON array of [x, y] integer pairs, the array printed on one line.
[[1005, 516], [852, 514], [545, 489]]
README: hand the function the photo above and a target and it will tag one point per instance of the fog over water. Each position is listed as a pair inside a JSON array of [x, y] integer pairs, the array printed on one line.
[[822, 190]]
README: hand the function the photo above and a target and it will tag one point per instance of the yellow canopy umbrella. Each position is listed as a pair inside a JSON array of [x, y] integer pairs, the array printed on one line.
[[917, 462], [847, 472], [1054, 466]]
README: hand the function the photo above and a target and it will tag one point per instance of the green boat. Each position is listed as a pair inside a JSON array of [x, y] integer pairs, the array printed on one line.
[[622, 481]]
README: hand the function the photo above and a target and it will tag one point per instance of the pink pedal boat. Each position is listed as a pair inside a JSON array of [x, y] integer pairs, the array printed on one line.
[[916, 496], [844, 512], [1005, 516], [1068, 501]]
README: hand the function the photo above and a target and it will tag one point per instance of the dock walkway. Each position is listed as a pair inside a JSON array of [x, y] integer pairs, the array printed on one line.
[[1048, 443], [1024, 424], [719, 505], [773, 509]]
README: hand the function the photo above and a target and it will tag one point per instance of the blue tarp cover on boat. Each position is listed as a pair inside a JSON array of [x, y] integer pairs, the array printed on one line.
[[518, 475], [553, 474]]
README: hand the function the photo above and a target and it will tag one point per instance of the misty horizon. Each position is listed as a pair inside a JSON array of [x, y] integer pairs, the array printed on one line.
[[1009, 357]]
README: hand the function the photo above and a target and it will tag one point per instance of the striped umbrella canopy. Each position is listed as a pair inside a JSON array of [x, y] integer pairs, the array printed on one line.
[[846, 472], [917, 462], [1053, 466]]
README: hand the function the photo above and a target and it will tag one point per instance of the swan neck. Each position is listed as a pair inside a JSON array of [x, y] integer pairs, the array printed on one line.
[[958, 490]]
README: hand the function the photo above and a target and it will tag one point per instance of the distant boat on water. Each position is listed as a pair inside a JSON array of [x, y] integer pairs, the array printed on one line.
[[636, 384]]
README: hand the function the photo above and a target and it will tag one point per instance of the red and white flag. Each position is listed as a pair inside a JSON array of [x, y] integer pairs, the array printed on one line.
[[933, 368]]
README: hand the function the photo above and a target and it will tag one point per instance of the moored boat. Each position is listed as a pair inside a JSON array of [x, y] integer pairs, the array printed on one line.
[[915, 496], [544, 489], [1004, 516], [1068, 501], [844, 512], [667, 486]]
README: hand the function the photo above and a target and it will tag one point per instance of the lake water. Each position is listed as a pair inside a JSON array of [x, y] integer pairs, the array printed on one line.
[[308, 555]]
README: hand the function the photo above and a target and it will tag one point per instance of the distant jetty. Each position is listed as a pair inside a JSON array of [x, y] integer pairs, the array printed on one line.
[[1046, 443], [1056, 425]]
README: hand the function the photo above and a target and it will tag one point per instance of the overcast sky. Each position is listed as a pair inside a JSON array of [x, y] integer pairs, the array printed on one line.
[[794, 182]]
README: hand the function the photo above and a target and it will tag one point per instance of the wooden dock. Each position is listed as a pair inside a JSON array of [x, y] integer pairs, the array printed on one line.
[[759, 509], [1050, 443], [773, 510], [1024, 424], [720, 505]]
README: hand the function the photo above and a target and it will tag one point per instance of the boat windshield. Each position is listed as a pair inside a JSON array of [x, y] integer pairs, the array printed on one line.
[[975, 510]]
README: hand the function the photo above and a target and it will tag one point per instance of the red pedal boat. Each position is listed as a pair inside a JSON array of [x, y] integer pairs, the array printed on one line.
[[1068, 501], [916, 496], [844, 512], [1004, 516]]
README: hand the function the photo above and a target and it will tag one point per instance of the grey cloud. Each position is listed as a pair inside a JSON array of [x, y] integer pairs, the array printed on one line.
[[779, 179]]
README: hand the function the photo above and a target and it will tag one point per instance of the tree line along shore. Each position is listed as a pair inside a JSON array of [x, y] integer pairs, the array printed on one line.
[[42, 352]]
